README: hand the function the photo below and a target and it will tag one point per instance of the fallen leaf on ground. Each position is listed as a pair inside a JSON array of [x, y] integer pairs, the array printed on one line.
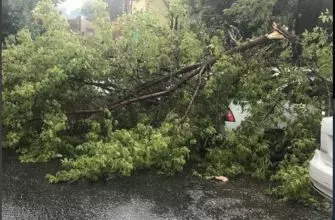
[[221, 178]]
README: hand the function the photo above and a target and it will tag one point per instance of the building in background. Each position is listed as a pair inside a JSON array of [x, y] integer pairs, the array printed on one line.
[[81, 26], [116, 8], [158, 7]]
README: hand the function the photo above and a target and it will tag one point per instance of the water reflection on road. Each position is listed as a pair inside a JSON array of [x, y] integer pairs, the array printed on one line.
[[26, 195]]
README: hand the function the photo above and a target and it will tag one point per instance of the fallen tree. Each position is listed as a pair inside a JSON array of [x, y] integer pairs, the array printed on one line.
[[85, 99], [188, 72]]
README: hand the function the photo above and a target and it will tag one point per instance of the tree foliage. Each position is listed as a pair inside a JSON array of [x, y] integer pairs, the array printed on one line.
[[240, 12], [106, 151], [16, 14], [48, 77]]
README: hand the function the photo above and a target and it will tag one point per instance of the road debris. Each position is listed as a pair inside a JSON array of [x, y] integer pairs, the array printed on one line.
[[221, 178]]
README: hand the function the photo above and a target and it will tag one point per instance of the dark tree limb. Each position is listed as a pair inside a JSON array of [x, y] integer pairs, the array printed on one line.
[[121, 103], [109, 87], [195, 93], [146, 85], [248, 45], [157, 94], [278, 34], [189, 72]]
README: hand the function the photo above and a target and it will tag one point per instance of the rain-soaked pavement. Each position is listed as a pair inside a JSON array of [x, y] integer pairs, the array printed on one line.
[[143, 196]]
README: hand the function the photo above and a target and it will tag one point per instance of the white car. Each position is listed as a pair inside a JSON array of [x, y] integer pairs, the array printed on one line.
[[321, 165], [236, 113]]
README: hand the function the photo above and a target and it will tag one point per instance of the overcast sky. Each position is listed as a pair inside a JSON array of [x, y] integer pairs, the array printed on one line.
[[70, 5]]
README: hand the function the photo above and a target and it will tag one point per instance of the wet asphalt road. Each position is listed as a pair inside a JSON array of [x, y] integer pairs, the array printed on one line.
[[26, 195]]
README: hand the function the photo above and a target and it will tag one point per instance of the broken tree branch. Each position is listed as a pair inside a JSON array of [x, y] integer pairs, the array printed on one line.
[[287, 35], [190, 71], [157, 94], [163, 78], [121, 103], [195, 93]]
